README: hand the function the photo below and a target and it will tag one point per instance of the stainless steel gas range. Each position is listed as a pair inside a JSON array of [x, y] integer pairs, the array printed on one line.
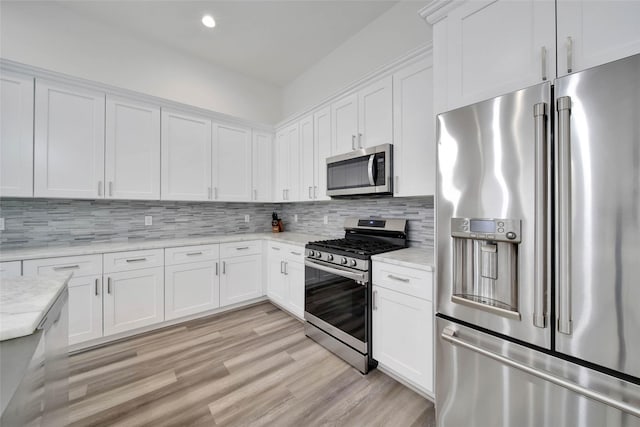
[[338, 287]]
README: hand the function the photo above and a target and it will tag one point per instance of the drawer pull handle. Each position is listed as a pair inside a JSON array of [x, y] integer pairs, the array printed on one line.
[[296, 253], [401, 279], [194, 253], [136, 260], [109, 285], [242, 248], [275, 249], [67, 267], [97, 283]]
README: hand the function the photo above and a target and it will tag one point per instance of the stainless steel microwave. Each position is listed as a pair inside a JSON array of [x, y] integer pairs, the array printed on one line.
[[364, 171]]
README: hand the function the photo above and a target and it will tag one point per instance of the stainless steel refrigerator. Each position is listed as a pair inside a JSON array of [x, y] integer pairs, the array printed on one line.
[[538, 255]]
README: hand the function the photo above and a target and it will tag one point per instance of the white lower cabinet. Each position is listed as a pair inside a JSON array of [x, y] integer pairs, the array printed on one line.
[[241, 279], [85, 291], [191, 288], [133, 299], [403, 328], [85, 308], [285, 284], [240, 272]]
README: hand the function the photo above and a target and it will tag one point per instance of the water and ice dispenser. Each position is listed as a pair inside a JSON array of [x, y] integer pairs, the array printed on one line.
[[485, 264]]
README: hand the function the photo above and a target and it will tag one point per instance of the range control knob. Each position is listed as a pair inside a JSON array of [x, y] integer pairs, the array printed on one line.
[[329, 257], [353, 262], [343, 260], [311, 253], [511, 235], [318, 255]]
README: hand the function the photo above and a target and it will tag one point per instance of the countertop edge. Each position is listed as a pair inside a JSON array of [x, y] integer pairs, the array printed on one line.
[[43, 252], [33, 326]]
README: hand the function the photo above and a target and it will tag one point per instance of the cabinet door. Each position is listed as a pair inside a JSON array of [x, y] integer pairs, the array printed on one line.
[[294, 272], [132, 150], [292, 191], [133, 299], [495, 47], [85, 308], [344, 118], [16, 135], [241, 279], [322, 147], [10, 269], [592, 33], [307, 162], [69, 141], [375, 110], [186, 157], [191, 288], [282, 166], [414, 149], [402, 336], [231, 163], [276, 285], [262, 176]]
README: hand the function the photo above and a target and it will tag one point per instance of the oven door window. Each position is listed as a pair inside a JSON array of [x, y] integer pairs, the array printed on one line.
[[336, 300]]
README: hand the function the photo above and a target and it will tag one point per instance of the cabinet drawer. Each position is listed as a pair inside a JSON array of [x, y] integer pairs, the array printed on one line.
[[253, 247], [10, 269], [86, 265], [186, 254], [410, 281], [133, 260], [285, 250]]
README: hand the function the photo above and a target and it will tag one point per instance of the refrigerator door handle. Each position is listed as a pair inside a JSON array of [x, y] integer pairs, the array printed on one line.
[[563, 209], [449, 335], [540, 244]]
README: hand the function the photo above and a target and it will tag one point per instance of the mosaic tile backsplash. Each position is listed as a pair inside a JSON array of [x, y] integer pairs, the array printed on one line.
[[55, 222]]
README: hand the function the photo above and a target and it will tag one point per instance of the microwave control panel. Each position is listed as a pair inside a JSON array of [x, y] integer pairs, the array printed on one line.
[[495, 229]]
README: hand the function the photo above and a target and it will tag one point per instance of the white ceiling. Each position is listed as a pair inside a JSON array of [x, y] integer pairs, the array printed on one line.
[[273, 41]]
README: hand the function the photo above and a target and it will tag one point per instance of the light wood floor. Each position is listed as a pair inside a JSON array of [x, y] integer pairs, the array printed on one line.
[[245, 368]]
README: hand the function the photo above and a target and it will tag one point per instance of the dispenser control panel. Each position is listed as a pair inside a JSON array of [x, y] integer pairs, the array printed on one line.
[[494, 229]]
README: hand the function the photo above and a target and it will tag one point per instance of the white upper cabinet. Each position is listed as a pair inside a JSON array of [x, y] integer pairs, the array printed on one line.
[[288, 164], [69, 141], [132, 150], [487, 48], [16, 135], [322, 150], [307, 158], [591, 33], [363, 119], [262, 176], [414, 149], [375, 116], [344, 116], [231, 163], [186, 157]]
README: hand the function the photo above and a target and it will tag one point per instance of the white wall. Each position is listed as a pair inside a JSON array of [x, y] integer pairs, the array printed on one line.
[[54, 38], [391, 35]]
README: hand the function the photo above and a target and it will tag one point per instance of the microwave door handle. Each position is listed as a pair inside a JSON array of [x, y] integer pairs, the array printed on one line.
[[372, 179]]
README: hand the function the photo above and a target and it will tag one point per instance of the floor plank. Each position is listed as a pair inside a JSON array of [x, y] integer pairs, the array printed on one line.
[[250, 367]]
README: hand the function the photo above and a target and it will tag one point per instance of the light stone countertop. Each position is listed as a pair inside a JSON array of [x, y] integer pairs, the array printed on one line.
[[299, 239], [24, 301], [410, 257]]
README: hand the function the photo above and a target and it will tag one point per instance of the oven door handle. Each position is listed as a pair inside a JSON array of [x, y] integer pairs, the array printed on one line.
[[358, 277]]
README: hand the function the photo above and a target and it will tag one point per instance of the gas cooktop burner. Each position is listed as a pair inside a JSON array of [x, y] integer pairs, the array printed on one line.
[[356, 246]]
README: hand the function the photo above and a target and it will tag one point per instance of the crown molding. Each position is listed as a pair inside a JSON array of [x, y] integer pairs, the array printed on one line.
[[41, 73], [437, 10], [414, 55]]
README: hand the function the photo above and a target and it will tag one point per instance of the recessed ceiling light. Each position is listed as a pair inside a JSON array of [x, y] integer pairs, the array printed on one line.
[[208, 21]]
